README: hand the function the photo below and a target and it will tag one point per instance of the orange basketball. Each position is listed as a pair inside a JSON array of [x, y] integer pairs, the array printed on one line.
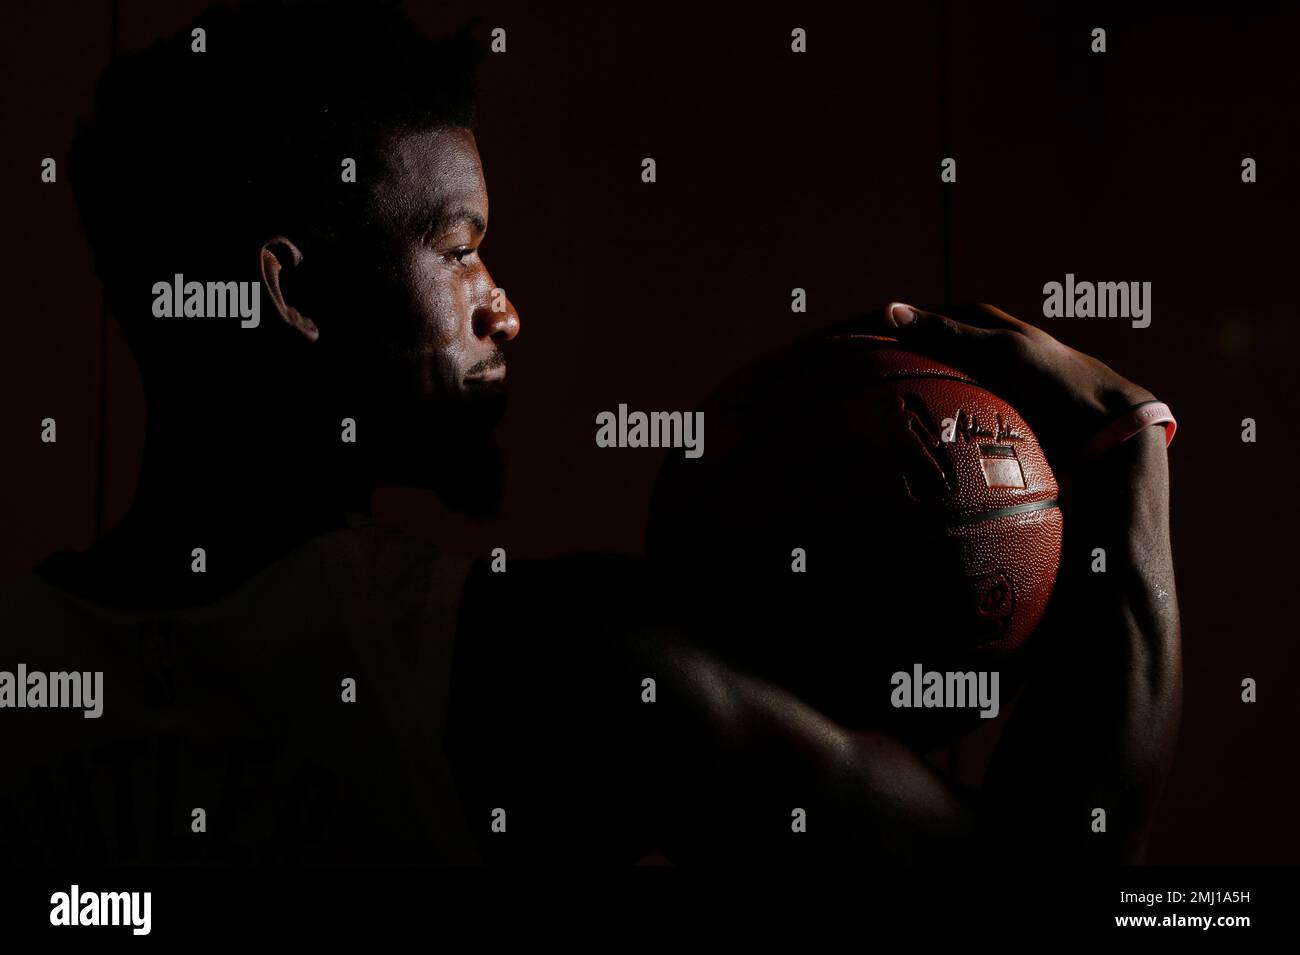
[[920, 504]]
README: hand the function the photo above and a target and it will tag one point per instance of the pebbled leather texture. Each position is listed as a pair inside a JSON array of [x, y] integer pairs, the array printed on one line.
[[964, 458]]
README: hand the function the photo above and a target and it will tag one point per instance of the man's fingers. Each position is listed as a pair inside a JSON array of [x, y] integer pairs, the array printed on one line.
[[912, 323], [959, 343], [989, 316], [899, 315]]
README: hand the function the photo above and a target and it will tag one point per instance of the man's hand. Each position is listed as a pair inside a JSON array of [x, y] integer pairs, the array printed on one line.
[[1065, 395]]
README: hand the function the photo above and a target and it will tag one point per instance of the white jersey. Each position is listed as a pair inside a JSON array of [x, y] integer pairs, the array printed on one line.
[[298, 719]]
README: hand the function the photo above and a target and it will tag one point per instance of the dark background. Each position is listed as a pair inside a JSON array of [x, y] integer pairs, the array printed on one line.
[[778, 170]]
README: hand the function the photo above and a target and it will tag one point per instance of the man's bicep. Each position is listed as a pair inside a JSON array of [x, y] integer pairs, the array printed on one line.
[[583, 728], [750, 772]]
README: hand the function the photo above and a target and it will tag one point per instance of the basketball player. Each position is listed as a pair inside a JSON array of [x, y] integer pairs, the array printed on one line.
[[326, 690]]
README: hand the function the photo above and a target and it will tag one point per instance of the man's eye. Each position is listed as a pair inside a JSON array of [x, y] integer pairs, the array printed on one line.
[[461, 255]]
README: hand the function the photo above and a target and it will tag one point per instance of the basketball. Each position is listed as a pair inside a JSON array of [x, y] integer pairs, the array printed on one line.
[[861, 510]]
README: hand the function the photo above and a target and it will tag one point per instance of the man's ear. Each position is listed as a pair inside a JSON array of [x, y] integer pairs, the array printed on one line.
[[279, 259]]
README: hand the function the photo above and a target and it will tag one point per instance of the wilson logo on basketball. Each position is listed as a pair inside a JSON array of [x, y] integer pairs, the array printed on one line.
[[993, 596], [995, 603], [998, 459]]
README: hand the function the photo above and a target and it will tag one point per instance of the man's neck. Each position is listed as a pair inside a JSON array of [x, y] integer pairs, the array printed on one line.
[[214, 506]]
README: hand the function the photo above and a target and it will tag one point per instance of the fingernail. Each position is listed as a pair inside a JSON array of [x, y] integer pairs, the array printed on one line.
[[901, 314]]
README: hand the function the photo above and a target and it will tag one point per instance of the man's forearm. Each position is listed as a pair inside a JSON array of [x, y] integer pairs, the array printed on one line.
[[1098, 721]]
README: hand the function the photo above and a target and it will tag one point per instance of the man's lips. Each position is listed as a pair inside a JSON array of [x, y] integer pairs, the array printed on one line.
[[497, 373], [492, 368]]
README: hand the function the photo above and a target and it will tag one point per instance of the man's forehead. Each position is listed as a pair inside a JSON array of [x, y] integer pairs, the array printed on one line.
[[431, 169]]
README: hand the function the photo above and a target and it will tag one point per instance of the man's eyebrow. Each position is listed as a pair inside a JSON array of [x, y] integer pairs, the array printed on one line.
[[444, 217]]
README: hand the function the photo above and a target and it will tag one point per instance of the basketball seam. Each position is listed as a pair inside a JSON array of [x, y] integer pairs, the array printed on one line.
[[1010, 511], [905, 375]]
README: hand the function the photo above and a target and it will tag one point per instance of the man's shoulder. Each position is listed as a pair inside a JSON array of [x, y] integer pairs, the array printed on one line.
[[388, 562], [22, 592], [367, 570], [33, 613]]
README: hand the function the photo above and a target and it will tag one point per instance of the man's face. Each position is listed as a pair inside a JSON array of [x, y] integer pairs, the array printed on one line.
[[443, 317], [426, 323]]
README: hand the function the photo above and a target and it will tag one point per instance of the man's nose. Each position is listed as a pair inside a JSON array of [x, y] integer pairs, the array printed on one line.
[[496, 318]]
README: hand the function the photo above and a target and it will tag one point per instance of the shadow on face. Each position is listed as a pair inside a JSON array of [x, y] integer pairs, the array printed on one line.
[[413, 328]]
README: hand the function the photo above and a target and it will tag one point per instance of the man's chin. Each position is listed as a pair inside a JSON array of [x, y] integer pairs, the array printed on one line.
[[481, 409]]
